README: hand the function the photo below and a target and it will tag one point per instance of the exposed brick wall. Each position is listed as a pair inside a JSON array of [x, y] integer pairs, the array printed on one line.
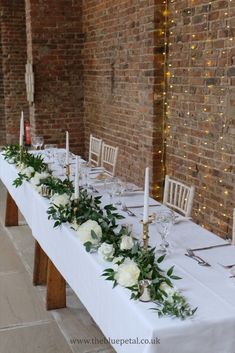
[[98, 65], [119, 82], [2, 109], [13, 42], [201, 97], [55, 42]]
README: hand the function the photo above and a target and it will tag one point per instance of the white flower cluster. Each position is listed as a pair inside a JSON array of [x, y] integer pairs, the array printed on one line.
[[60, 200], [127, 242], [36, 179], [106, 251], [169, 291], [28, 171], [127, 274], [84, 232]]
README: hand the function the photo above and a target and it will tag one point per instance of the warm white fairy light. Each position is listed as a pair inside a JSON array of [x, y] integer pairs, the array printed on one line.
[[207, 106]]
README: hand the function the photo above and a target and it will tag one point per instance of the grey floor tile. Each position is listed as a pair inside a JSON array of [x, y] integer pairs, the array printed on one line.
[[20, 302], [9, 260], [45, 338]]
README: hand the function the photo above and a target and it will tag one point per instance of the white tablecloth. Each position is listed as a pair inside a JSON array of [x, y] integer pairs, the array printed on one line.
[[211, 330]]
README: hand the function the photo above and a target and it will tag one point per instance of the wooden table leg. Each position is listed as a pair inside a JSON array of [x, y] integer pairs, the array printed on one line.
[[40, 265], [56, 288], [11, 215]]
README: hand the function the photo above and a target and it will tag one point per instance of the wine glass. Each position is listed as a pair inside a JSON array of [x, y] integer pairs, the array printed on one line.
[[37, 141], [118, 191], [164, 220], [60, 157], [40, 142], [110, 188], [84, 173]]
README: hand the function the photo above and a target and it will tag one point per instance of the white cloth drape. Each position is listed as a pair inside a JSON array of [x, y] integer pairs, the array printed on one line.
[[210, 288]]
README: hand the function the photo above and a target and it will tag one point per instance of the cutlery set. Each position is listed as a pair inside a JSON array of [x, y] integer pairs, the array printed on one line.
[[191, 253], [200, 261]]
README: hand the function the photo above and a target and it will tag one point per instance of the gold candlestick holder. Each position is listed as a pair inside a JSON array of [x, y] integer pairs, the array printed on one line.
[[21, 154], [67, 171], [146, 232]]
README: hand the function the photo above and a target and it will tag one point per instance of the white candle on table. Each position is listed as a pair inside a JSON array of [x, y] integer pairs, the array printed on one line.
[[21, 129], [67, 148], [76, 192], [146, 196]]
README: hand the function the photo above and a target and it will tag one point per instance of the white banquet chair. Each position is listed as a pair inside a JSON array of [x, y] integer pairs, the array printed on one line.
[[95, 151], [178, 196], [109, 158]]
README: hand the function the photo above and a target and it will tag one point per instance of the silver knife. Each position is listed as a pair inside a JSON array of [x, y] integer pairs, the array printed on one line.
[[211, 247], [141, 206]]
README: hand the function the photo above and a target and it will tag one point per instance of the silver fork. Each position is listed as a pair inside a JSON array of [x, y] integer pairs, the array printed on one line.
[[227, 266], [125, 209], [200, 261]]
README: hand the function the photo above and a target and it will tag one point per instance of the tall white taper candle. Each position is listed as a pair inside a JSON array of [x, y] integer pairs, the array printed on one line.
[[76, 192], [146, 196], [67, 148], [21, 129]]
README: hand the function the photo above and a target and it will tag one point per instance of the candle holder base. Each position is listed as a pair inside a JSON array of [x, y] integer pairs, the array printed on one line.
[[67, 171], [146, 232], [21, 154]]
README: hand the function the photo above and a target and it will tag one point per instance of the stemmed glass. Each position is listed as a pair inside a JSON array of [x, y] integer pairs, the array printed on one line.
[[111, 188], [60, 157], [84, 173], [40, 142], [37, 141], [164, 220]]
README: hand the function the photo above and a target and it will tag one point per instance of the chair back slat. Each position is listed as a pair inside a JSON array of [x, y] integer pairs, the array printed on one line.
[[178, 196], [95, 151], [109, 158]]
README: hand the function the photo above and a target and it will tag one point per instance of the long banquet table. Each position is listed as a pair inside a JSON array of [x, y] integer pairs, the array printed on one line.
[[211, 289]]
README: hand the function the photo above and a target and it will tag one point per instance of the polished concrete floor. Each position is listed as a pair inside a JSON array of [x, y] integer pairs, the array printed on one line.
[[25, 325]]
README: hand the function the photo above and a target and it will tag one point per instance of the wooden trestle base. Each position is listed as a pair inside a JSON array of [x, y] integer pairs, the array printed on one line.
[[11, 214], [44, 272]]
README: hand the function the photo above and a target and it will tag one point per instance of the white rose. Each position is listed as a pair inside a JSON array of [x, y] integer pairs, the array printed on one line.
[[35, 180], [128, 273], [126, 242], [60, 200], [27, 171], [168, 290], [106, 251], [84, 232]]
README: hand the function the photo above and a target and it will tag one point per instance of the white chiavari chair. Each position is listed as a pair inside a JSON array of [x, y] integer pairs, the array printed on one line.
[[95, 151], [178, 196], [109, 158]]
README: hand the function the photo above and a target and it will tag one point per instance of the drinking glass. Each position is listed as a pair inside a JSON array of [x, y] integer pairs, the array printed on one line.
[[60, 158], [110, 188], [164, 220], [84, 173], [117, 191], [40, 142], [37, 141]]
